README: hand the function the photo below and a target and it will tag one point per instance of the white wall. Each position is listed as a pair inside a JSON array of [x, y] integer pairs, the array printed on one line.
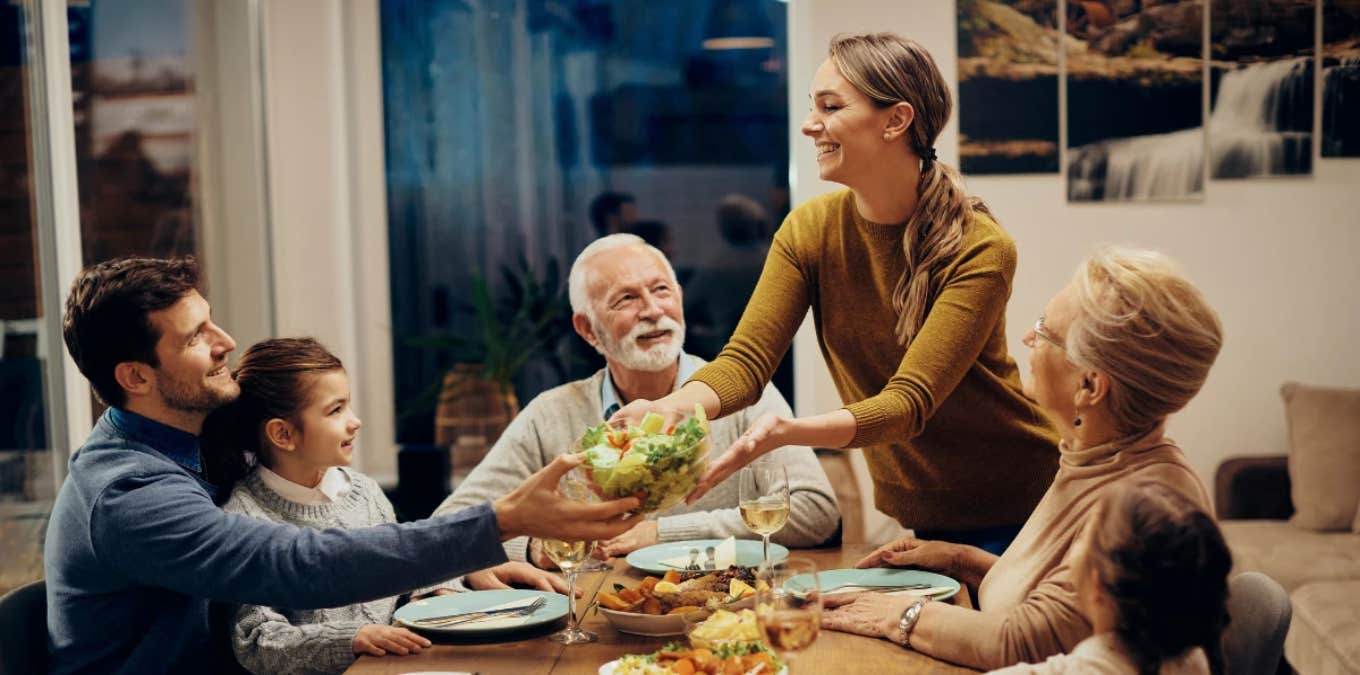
[[1275, 257], [327, 199], [230, 148]]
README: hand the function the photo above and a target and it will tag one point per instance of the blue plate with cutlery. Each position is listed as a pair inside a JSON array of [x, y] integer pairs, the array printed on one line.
[[481, 612]]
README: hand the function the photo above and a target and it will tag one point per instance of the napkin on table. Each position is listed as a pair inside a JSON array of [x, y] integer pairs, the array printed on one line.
[[725, 556]]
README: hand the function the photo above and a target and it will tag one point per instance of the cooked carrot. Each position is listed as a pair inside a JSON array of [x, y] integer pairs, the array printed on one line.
[[651, 606], [614, 602]]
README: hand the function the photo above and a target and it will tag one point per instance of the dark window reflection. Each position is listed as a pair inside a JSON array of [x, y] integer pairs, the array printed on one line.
[[25, 462], [134, 115], [132, 85], [519, 130]]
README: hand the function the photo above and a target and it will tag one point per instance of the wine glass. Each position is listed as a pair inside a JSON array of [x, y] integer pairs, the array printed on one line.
[[788, 605], [764, 502], [569, 556]]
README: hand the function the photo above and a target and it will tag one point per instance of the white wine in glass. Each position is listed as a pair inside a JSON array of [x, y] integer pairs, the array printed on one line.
[[763, 498], [790, 630], [765, 518], [788, 605], [569, 556]]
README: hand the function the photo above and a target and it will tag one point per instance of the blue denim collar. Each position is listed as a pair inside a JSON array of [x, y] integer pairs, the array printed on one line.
[[609, 396], [180, 446]]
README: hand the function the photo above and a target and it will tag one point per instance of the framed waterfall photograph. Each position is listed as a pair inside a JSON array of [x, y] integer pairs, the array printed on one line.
[[1008, 86], [1261, 88], [1341, 78], [1135, 101]]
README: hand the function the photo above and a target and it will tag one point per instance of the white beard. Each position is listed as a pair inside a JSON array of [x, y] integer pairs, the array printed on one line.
[[631, 356]]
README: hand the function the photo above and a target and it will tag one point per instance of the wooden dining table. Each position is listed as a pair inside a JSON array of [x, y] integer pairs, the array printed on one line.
[[532, 653]]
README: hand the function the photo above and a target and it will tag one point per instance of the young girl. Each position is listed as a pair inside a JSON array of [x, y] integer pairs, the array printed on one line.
[[296, 427], [1151, 573]]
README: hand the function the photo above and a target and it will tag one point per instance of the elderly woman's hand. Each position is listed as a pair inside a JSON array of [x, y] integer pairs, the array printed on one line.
[[870, 614], [935, 556]]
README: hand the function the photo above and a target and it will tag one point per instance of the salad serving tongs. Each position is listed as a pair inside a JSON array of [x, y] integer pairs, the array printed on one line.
[[468, 617]]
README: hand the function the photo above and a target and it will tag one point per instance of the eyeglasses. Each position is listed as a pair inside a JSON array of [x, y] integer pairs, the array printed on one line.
[[1042, 333]]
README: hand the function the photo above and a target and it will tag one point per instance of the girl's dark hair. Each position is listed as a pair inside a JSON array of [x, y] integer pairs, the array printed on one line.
[[1162, 561], [275, 376]]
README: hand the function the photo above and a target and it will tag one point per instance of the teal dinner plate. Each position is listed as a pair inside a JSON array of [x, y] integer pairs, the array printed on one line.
[[472, 601], [748, 554], [830, 580]]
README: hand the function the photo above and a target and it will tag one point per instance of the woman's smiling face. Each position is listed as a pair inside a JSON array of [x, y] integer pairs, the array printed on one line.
[[845, 126]]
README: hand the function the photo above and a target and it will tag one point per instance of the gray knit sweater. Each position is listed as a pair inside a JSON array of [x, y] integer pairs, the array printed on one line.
[[274, 640], [550, 423]]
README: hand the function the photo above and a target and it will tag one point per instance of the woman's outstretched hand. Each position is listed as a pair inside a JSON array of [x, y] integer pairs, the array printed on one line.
[[764, 435], [638, 409]]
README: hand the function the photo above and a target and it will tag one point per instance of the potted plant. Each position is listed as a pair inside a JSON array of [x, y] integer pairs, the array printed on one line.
[[520, 322]]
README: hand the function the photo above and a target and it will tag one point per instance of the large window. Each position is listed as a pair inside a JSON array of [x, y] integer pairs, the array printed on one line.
[[131, 127], [506, 120], [25, 462]]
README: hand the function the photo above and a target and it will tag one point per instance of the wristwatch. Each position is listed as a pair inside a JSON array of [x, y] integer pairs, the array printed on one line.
[[910, 616]]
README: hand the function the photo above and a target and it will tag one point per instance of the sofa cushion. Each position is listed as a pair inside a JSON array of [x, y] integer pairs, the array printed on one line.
[[1324, 635], [1324, 454], [1290, 555]]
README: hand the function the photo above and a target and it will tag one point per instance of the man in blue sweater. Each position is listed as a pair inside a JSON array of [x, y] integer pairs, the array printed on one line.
[[137, 546]]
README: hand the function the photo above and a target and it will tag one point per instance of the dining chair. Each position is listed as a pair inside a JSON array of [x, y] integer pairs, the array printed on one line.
[[23, 630], [1258, 619]]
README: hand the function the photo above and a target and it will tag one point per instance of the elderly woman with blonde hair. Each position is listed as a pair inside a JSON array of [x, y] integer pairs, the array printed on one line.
[[1128, 342]]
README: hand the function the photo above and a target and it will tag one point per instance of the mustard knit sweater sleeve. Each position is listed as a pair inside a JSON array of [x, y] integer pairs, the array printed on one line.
[[772, 316]]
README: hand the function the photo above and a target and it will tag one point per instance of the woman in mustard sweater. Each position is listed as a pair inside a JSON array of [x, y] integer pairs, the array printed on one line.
[[907, 278]]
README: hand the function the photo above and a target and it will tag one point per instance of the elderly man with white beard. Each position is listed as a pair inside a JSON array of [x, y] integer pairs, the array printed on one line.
[[627, 304]]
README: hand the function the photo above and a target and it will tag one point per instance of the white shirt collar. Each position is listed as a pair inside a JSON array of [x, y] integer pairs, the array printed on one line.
[[333, 487]]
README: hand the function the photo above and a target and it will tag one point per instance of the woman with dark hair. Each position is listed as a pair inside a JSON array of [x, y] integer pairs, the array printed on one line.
[[907, 277], [1151, 572]]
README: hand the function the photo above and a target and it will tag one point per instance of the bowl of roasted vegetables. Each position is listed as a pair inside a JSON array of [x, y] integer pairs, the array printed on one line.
[[657, 606]]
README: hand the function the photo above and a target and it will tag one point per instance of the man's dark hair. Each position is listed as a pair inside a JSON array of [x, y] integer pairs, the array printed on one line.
[[603, 206], [107, 319]]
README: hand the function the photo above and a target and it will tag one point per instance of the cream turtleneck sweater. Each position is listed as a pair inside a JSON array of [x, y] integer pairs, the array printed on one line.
[[1028, 603]]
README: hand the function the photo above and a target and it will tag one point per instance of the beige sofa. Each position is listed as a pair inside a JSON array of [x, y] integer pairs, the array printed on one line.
[[1296, 518]]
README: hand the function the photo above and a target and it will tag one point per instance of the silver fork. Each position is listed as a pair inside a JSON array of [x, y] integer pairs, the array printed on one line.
[[458, 619]]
